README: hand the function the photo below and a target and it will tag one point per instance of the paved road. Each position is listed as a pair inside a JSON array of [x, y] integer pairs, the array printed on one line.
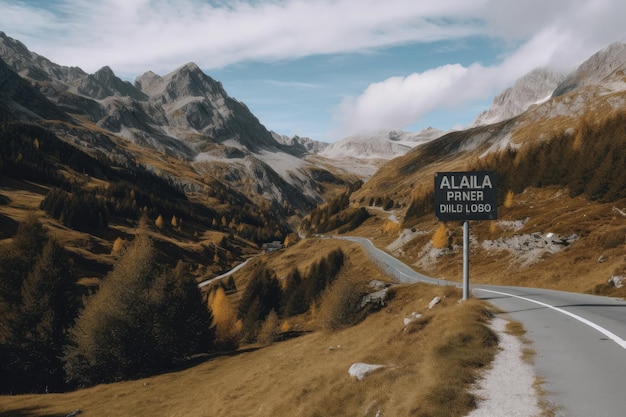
[[580, 340]]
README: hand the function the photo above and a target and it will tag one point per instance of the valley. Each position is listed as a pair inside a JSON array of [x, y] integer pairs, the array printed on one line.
[[123, 204]]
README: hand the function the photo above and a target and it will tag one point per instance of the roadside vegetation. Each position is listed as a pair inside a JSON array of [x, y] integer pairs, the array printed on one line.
[[430, 367], [335, 215], [99, 295], [589, 161]]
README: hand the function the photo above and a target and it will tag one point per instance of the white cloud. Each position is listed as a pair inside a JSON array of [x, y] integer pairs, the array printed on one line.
[[130, 35], [398, 101], [559, 35]]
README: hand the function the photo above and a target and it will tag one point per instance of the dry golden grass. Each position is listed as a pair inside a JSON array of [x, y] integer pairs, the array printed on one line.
[[431, 363], [429, 371], [600, 230]]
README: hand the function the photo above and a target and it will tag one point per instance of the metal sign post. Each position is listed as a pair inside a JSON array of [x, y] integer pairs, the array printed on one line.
[[465, 196], [466, 233]]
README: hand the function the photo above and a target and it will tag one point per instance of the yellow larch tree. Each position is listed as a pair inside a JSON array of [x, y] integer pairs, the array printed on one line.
[[508, 201], [440, 237], [227, 326], [159, 222]]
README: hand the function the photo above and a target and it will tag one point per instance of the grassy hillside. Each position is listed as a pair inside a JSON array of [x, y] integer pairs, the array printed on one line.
[[429, 364], [561, 213], [561, 226]]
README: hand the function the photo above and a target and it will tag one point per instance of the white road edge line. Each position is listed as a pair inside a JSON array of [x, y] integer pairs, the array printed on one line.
[[621, 342]]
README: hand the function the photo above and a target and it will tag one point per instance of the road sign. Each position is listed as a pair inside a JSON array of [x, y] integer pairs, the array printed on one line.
[[466, 196]]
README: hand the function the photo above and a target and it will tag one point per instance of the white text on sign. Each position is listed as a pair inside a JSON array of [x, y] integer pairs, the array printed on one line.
[[466, 195]]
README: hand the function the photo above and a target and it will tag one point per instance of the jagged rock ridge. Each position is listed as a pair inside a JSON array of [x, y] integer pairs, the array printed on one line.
[[185, 114], [597, 68], [533, 88]]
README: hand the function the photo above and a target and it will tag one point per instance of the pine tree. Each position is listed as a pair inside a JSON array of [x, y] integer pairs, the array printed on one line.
[[508, 201], [269, 329], [159, 222], [49, 306], [262, 295], [34, 335], [294, 300], [141, 320]]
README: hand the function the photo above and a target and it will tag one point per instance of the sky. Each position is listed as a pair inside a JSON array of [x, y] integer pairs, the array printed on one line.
[[326, 69]]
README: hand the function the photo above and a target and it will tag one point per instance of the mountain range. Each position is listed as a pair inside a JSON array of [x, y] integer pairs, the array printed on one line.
[[186, 121], [119, 201], [185, 115], [537, 107], [189, 115]]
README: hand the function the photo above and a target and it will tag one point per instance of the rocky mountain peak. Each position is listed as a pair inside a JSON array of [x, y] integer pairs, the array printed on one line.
[[104, 74], [148, 82], [30, 65], [189, 80], [534, 87], [104, 83], [597, 68], [12, 51]]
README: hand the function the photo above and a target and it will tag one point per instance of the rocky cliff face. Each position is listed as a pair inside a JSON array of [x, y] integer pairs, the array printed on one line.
[[533, 88], [180, 113], [18, 99], [184, 114], [597, 69]]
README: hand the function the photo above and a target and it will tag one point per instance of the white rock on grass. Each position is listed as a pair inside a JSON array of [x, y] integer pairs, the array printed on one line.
[[617, 281], [360, 370], [434, 302], [411, 318]]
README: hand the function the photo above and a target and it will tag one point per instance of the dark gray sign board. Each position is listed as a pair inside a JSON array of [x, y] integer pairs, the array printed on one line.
[[466, 196]]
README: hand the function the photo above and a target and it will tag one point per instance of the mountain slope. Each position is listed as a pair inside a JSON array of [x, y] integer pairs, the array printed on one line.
[[363, 154], [185, 115], [560, 167], [382, 145], [533, 88], [18, 99], [596, 70]]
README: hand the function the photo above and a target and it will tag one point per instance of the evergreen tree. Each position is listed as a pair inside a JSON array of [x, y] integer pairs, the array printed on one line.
[[262, 295], [141, 320], [48, 308], [294, 300], [38, 303]]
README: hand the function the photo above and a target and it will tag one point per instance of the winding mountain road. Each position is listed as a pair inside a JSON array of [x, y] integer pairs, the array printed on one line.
[[579, 339]]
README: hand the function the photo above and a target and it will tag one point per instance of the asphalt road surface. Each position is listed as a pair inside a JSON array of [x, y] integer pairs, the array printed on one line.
[[579, 339]]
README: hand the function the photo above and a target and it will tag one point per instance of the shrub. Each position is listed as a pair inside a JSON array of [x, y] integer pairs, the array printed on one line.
[[269, 330], [341, 304]]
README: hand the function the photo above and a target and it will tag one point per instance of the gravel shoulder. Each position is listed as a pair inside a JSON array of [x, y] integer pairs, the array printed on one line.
[[508, 387]]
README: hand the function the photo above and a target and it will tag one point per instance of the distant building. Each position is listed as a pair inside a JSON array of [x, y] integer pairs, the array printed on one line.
[[272, 246]]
